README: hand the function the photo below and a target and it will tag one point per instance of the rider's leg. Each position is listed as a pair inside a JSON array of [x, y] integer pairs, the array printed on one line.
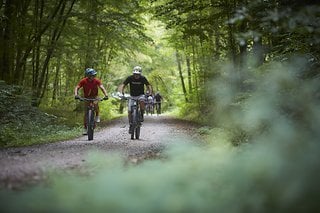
[[130, 122], [130, 116], [130, 103], [86, 104], [85, 118], [142, 107], [96, 105]]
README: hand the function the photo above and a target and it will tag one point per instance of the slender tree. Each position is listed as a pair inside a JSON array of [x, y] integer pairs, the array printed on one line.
[[181, 76]]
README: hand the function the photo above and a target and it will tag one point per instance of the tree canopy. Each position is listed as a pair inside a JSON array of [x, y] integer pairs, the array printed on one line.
[[46, 45]]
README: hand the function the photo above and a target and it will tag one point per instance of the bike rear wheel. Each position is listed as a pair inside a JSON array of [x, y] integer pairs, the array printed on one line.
[[90, 124]]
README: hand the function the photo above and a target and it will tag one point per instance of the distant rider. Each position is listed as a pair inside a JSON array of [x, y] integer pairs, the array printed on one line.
[[149, 100], [158, 99]]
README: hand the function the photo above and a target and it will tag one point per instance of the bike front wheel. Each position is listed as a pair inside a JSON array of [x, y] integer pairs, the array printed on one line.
[[135, 124], [90, 124], [137, 132]]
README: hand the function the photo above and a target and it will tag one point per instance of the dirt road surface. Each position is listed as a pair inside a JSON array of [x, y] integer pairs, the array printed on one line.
[[28, 165]]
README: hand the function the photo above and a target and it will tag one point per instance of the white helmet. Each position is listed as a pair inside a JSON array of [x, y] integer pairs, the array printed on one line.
[[137, 70]]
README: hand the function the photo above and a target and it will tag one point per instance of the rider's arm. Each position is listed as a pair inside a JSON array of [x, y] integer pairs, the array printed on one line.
[[80, 84], [124, 84], [76, 89], [103, 89], [149, 87], [121, 88]]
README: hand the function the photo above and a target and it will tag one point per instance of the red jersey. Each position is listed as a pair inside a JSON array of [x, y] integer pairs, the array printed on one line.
[[90, 88]]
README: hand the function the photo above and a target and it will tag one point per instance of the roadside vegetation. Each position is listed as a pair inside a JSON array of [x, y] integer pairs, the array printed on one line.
[[23, 124]]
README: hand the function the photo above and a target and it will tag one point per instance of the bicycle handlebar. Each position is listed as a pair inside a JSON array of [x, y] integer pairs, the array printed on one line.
[[129, 98], [90, 99]]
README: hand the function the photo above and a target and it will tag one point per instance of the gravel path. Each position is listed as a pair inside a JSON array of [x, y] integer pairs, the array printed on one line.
[[28, 165]]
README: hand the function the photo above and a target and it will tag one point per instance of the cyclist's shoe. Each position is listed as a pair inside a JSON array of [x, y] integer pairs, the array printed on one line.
[[130, 129], [85, 132], [98, 119]]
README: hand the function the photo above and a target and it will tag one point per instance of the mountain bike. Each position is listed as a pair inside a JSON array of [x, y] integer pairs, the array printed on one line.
[[90, 115], [149, 107], [135, 117]]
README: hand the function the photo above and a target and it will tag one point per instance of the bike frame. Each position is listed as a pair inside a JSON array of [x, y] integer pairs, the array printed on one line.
[[90, 115], [135, 118]]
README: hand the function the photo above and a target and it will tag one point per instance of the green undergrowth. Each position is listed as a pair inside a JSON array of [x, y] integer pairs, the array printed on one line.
[[23, 125]]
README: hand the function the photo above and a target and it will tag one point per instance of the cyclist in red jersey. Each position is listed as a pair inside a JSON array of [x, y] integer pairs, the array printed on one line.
[[90, 85]]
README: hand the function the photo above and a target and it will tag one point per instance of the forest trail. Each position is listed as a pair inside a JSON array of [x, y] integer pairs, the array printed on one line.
[[29, 165]]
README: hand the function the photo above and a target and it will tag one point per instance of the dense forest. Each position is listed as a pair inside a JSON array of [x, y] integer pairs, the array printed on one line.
[[207, 57], [247, 71]]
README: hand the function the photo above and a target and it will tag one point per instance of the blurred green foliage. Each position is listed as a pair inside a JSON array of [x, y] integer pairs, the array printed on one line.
[[260, 178]]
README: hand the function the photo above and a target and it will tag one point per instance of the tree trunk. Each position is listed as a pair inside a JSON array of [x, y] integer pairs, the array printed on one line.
[[189, 74], [56, 83], [21, 40], [7, 41], [35, 40], [181, 76], [42, 84], [258, 52], [232, 45]]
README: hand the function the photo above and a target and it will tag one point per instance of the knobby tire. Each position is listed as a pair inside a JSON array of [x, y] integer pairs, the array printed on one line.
[[137, 131], [134, 122], [90, 124]]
